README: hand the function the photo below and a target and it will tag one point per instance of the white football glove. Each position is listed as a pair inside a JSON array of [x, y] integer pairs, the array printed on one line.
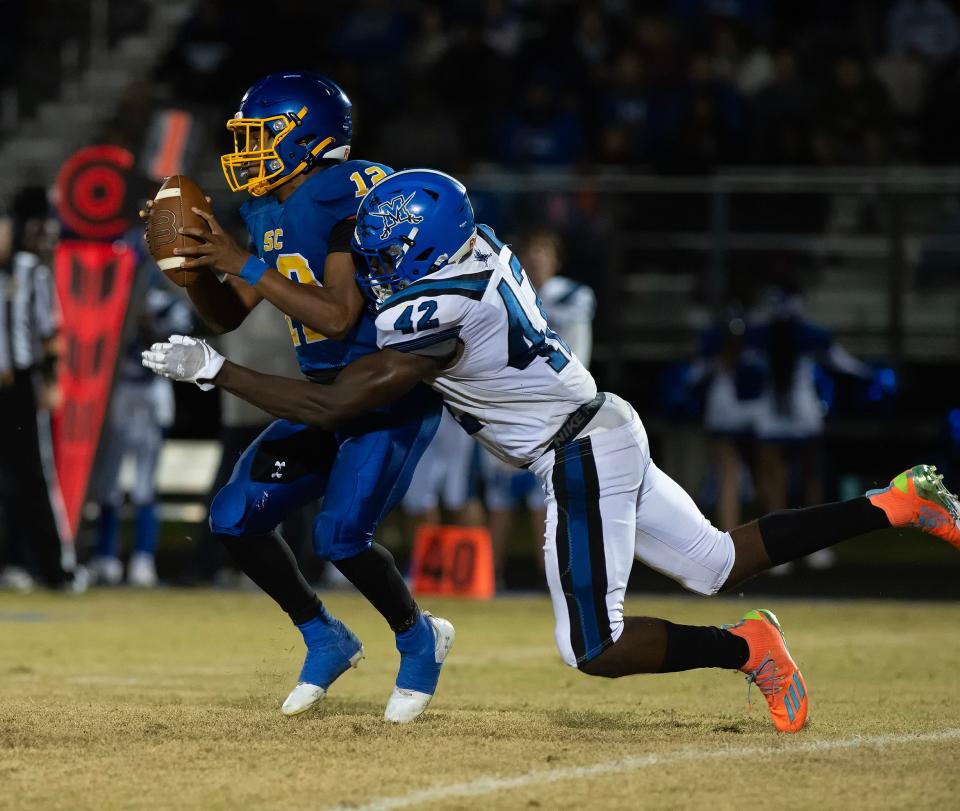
[[185, 359]]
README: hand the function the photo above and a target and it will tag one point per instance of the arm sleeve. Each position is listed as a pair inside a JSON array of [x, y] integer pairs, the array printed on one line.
[[341, 235], [586, 301], [579, 336], [842, 361], [576, 310], [424, 325]]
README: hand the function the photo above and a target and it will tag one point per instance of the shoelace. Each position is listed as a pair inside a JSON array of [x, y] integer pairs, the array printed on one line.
[[766, 678]]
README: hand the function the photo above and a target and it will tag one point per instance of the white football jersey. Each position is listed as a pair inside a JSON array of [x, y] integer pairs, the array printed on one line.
[[515, 382], [570, 306]]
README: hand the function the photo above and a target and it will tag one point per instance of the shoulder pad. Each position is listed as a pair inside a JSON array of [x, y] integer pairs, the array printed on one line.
[[424, 318]]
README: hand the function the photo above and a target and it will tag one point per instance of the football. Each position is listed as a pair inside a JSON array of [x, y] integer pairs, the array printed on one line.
[[171, 211]]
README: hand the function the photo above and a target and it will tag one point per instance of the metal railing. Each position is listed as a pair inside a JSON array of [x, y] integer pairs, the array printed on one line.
[[668, 253]]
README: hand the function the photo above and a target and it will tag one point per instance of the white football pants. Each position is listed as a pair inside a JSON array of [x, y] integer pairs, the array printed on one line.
[[608, 503]]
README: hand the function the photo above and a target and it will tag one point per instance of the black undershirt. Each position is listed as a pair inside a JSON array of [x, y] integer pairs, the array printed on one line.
[[341, 235]]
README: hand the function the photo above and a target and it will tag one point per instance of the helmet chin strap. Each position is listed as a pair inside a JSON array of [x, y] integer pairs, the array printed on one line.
[[464, 249], [460, 253]]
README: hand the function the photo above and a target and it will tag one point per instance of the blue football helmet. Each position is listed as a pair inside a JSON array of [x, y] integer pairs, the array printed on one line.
[[410, 224], [286, 123]]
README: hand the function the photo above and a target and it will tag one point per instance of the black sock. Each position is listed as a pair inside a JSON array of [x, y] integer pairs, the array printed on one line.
[[375, 575], [268, 562], [792, 534], [693, 646]]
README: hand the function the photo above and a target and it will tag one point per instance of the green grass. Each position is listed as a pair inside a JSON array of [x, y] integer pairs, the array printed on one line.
[[170, 700]]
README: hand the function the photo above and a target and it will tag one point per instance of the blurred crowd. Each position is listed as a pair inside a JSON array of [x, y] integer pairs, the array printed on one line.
[[677, 85]]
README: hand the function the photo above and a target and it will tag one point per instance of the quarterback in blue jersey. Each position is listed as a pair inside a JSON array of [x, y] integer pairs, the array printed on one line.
[[291, 146]]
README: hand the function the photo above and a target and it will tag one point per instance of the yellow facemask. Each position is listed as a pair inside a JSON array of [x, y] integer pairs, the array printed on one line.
[[255, 166]]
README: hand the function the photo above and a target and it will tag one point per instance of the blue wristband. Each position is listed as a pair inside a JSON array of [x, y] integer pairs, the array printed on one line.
[[253, 270]]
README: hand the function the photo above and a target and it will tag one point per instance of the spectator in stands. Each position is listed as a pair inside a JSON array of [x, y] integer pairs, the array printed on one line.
[[854, 116], [928, 28], [373, 29], [624, 137], [502, 27], [35, 520], [782, 113], [736, 60], [905, 77], [207, 53], [479, 111], [406, 141], [431, 41], [748, 12], [733, 379], [375, 33], [591, 40], [141, 409], [543, 131], [789, 419], [709, 122]]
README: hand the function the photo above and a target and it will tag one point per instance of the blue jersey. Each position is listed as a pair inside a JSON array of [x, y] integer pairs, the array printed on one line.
[[292, 237]]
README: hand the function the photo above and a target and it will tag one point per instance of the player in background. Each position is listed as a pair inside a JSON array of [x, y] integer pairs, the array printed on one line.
[[291, 147], [140, 412], [569, 305], [569, 308], [443, 478], [457, 309]]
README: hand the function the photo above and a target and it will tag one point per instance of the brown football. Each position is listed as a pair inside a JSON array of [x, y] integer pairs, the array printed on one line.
[[173, 209]]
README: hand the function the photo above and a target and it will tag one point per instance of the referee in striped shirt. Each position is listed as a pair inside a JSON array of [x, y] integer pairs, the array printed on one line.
[[29, 321]]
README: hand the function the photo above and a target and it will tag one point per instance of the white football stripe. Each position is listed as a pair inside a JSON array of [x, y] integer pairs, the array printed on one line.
[[171, 262], [164, 193], [783, 747]]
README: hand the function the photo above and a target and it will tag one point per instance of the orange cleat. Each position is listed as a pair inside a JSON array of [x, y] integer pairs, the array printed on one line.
[[772, 669], [918, 498]]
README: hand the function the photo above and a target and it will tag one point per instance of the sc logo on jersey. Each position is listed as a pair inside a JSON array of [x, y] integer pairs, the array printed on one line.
[[273, 240], [394, 213]]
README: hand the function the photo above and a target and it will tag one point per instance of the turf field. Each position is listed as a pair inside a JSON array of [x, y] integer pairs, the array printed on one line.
[[170, 700]]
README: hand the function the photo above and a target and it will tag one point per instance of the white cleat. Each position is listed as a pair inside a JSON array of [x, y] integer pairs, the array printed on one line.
[[302, 698], [305, 695], [142, 571], [106, 571], [16, 578], [406, 705]]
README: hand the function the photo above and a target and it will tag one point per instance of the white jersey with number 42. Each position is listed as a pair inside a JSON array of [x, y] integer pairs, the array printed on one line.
[[515, 381]]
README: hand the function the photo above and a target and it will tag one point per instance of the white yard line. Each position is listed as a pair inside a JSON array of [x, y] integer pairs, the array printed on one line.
[[491, 785]]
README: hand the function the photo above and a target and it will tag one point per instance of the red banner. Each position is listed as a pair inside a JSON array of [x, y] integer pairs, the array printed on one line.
[[94, 283]]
